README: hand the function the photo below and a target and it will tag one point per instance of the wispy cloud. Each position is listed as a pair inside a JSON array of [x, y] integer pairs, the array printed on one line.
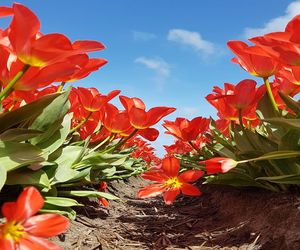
[[160, 66], [143, 36], [275, 24], [192, 39]]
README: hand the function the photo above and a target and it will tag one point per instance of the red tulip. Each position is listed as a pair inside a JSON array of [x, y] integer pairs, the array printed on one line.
[[141, 119], [219, 165], [291, 73], [38, 50], [254, 59], [35, 77], [92, 100], [22, 230], [89, 66], [186, 130], [243, 95], [282, 45], [116, 121], [179, 147], [170, 182], [102, 201]]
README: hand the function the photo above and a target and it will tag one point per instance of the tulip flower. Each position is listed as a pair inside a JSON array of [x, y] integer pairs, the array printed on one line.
[[291, 73], [102, 201], [219, 165], [35, 49], [92, 100], [143, 150], [141, 119], [23, 230], [170, 182], [254, 59], [179, 147], [114, 120], [186, 130], [282, 45]]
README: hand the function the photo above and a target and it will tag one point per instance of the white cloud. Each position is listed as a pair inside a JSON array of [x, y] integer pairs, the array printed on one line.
[[192, 39], [143, 36], [275, 24], [161, 67]]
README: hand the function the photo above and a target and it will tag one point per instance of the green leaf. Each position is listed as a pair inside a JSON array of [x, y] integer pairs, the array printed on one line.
[[68, 155], [233, 179], [3, 176], [290, 123], [290, 102], [53, 112], [80, 175], [278, 155], [28, 177], [88, 193], [100, 160], [61, 201], [290, 141], [25, 113], [19, 134], [283, 179], [65, 211], [110, 171], [56, 139], [265, 107], [14, 155]]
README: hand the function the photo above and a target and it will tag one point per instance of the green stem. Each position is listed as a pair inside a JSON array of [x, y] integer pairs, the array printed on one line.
[[194, 147], [122, 142], [100, 144], [241, 119], [6, 91], [270, 94], [62, 84], [81, 123]]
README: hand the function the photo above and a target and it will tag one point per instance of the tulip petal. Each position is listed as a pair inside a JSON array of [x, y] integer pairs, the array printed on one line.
[[170, 196], [83, 46], [149, 134], [138, 118], [8, 210], [28, 203], [157, 113], [6, 244], [155, 176], [151, 191], [189, 189], [36, 243], [6, 11], [171, 166], [24, 26], [46, 225], [128, 103], [190, 175]]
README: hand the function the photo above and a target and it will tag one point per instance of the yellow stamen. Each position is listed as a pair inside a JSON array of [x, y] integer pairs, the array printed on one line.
[[173, 183], [12, 231]]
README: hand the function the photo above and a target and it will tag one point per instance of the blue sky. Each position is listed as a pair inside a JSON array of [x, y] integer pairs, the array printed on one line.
[[167, 52]]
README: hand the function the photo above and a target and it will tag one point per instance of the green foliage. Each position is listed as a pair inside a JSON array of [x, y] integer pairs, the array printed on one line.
[[273, 147], [36, 150]]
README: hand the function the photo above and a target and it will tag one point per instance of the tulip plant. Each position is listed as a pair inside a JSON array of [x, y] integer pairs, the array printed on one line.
[[69, 142]]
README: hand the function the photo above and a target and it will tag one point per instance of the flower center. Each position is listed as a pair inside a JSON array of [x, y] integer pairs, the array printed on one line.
[[173, 183], [12, 231]]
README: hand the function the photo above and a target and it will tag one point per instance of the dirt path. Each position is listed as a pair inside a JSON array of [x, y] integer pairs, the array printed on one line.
[[222, 218]]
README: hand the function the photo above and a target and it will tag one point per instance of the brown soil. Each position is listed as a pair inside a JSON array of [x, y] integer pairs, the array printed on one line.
[[222, 218]]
